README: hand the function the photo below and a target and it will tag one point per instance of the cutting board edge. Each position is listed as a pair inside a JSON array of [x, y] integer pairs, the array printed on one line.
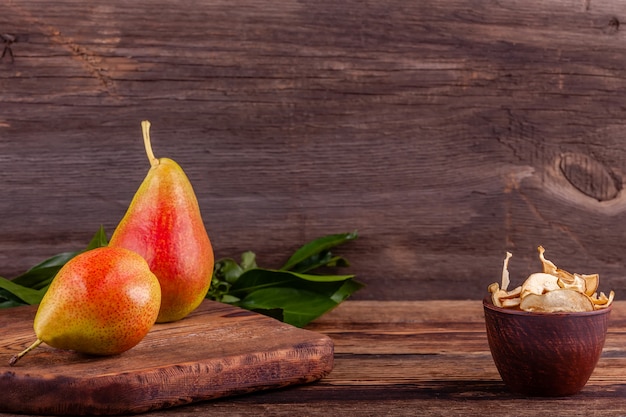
[[318, 364]]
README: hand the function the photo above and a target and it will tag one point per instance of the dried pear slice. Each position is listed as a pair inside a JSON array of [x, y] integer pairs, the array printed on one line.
[[560, 300], [514, 293], [539, 283], [510, 302], [565, 276], [496, 293], [603, 301], [591, 283], [505, 272], [548, 266], [553, 290], [506, 299], [574, 282]]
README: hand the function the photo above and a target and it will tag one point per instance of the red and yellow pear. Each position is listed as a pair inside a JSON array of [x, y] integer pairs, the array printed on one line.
[[101, 302], [163, 224]]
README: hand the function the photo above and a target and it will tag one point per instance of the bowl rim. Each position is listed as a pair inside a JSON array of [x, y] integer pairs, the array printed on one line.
[[488, 304]]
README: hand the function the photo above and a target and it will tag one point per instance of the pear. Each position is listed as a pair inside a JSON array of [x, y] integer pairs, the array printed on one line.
[[163, 224], [101, 302]]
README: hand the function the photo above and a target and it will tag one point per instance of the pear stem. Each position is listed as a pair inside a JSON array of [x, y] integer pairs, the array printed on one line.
[[145, 129], [17, 357]]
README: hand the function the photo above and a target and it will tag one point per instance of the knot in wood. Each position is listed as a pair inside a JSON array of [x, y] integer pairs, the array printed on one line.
[[614, 24], [589, 176]]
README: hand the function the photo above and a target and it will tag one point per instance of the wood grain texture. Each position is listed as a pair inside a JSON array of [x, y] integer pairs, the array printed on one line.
[[216, 351], [445, 132], [425, 358]]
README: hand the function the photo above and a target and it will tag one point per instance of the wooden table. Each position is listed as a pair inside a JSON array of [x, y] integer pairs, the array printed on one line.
[[445, 132], [422, 358]]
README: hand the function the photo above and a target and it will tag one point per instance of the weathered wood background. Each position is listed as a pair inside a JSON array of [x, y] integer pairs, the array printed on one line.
[[446, 133]]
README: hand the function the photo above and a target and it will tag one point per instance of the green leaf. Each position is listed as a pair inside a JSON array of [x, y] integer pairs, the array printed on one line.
[[25, 294], [319, 278], [41, 275], [298, 307], [229, 299], [313, 262], [228, 270], [322, 259], [346, 290], [248, 260], [9, 303], [54, 261], [289, 296], [99, 240], [255, 279], [317, 246], [259, 278]]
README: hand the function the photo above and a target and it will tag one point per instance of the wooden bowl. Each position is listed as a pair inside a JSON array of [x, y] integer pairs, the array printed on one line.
[[545, 354]]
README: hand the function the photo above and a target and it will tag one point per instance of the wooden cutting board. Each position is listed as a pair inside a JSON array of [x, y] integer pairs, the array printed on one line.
[[217, 351]]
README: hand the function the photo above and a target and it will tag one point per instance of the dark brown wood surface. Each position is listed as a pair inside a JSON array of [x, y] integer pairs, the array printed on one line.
[[216, 351], [445, 132], [421, 358]]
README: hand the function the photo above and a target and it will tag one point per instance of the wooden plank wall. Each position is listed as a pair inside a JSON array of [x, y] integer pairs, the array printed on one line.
[[446, 133]]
